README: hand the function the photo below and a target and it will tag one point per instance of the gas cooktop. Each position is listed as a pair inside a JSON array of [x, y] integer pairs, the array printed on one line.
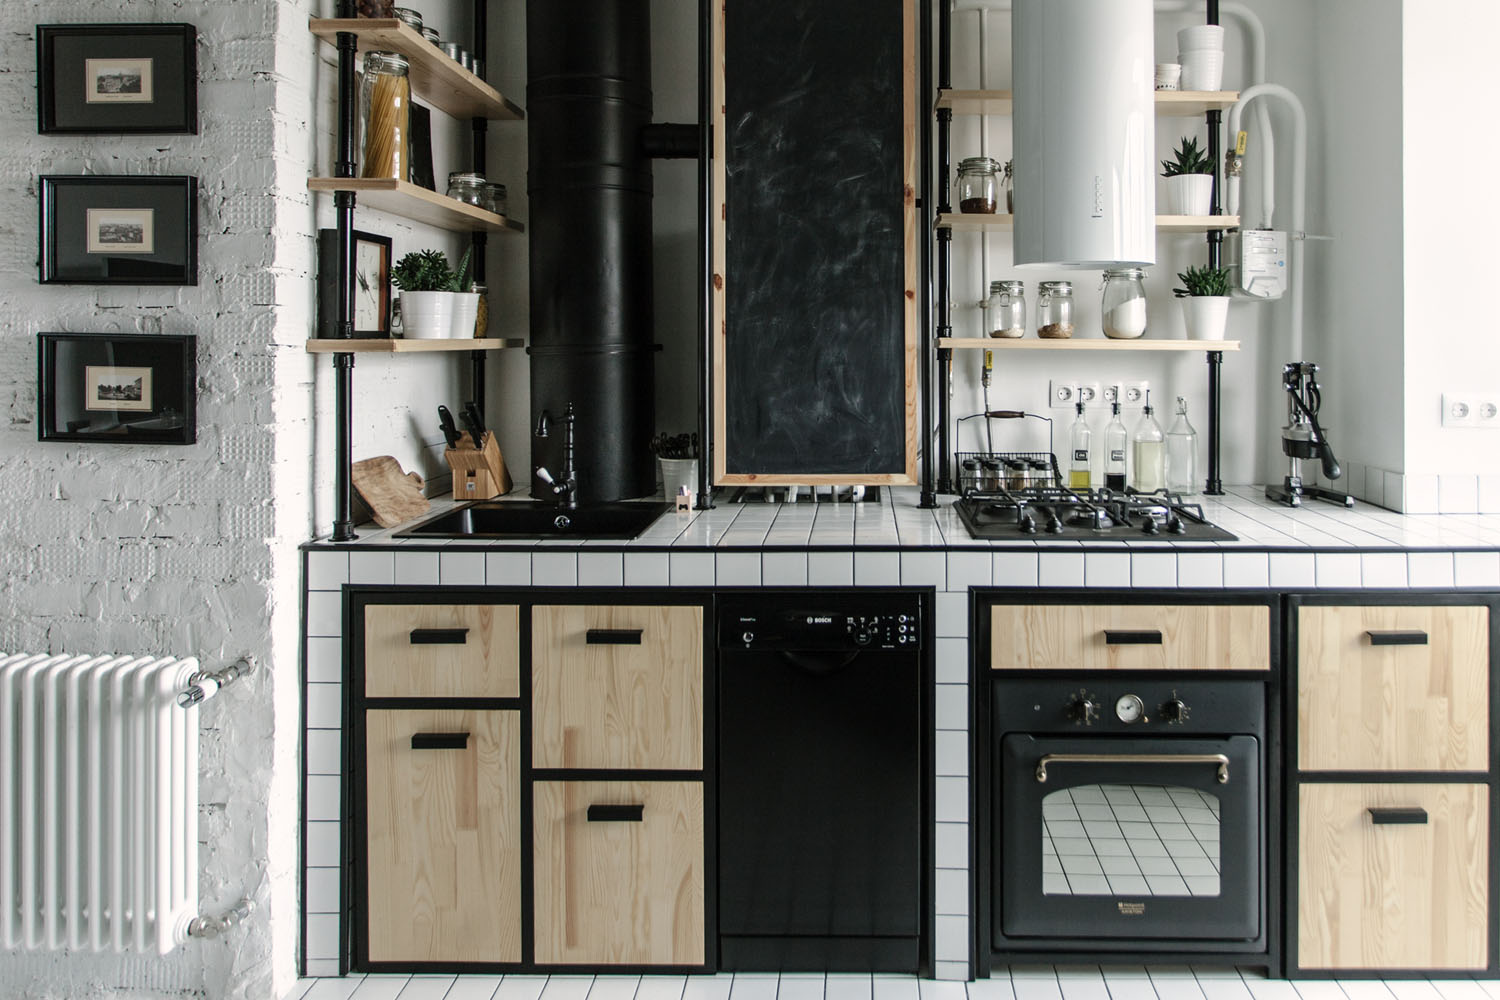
[[1072, 515]]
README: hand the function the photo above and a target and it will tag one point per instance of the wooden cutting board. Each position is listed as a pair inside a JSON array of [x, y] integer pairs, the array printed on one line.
[[393, 496]]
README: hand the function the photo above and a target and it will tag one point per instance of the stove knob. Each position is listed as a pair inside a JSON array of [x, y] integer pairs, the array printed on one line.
[[1028, 524], [1083, 710], [1175, 525], [1175, 710], [1054, 525], [749, 637], [1149, 526]]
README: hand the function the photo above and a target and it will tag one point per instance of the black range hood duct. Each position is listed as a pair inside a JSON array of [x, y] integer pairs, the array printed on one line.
[[590, 143]]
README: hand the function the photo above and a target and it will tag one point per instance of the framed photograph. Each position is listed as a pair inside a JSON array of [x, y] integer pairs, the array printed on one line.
[[133, 388], [119, 230], [117, 79], [372, 284]]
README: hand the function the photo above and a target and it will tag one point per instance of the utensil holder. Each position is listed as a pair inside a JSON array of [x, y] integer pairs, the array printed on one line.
[[478, 472]]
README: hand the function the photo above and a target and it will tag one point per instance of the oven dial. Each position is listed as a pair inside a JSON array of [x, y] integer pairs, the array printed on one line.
[[1130, 708], [1175, 710], [1083, 709]]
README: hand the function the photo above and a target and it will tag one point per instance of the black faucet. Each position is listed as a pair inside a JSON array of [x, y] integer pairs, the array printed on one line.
[[567, 490]]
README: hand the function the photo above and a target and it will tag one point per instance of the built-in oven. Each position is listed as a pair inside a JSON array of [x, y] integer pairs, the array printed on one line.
[[1128, 813]]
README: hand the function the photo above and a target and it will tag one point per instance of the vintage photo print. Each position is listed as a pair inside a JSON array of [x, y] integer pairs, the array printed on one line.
[[121, 230], [108, 387], [118, 81]]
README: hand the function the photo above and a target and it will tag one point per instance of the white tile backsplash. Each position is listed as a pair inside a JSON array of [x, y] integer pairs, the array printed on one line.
[[325, 659], [738, 569], [1246, 569], [951, 706], [461, 569], [951, 845], [1476, 569], [372, 567], [1200, 569], [1421, 494], [1430, 569], [601, 569], [1338, 569], [969, 569], [784, 569], [322, 845], [327, 570], [325, 613], [920, 569], [950, 889], [507, 569], [1153, 569], [1382, 569], [830, 569], [953, 615], [692, 569], [416, 569], [1291, 570], [952, 753], [1458, 494], [1014, 569], [324, 708], [323, 801], [951, 661], [877, 569], [647, 569], [324, 754], [1106, 569], [1489, 494], [1394, 497], [322, 890], [1060, 569], [951, 800], [554, 569]]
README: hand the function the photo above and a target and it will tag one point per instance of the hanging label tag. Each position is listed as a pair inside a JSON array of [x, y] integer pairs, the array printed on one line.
[[1117, 456], [1240, 142], [1080, 455]]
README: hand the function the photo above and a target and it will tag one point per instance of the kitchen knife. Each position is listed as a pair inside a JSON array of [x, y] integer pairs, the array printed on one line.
[[450, 431], [474, 423]]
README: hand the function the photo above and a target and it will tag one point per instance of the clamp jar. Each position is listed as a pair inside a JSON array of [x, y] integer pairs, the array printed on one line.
[[1007, 309], [1054, 310], [978, 185], [1123, 304], [385, 115]]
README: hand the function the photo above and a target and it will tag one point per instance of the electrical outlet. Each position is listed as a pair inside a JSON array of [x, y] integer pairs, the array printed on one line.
[[1487, 412], [1133, 394], [1111, 393], [1062, 394], [1459, 410], [1090, 393]]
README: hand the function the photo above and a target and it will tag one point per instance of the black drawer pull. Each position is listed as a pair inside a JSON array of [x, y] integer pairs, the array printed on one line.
[[616, 814], [1398, 814], [439, 636], [614, 636], [1398, 637], [1132, 637], [440, 741]]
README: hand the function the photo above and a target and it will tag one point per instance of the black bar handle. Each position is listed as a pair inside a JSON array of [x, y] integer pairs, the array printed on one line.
[[1391, 815], [614, 636], [1398, 637], [440, 741], [1132, 637], [599, 813], [439, 636]]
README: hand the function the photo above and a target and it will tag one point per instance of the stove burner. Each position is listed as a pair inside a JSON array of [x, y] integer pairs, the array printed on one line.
[[1096, 518], [1093, 514]]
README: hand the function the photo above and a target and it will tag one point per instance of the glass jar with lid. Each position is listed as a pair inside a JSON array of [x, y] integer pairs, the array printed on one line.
[[494, 198], [431, 35], [468, 188], [1008, 182], [1054, 310], [409, 17], [1123, 304], [978, 185], [375, 8], [1007, 309], [385, 115]]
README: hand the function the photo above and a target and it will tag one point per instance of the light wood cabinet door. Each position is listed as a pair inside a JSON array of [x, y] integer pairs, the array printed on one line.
[[619, 872], [1370, 696], [442, 651], [443, 835], [1393, 895], [1130, 637], [617, 687]]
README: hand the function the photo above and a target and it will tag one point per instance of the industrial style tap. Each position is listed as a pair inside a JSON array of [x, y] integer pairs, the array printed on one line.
[[567, 490]]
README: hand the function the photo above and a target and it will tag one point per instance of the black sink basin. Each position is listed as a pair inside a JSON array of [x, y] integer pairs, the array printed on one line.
[[531, 519]]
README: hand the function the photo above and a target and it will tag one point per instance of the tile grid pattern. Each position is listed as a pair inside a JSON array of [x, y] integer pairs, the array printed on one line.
[[1135, 840]]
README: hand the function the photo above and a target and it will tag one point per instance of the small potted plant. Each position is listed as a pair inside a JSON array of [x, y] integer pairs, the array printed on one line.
[[678, 455], [435, 300], [1205, 301], [1190, 179]]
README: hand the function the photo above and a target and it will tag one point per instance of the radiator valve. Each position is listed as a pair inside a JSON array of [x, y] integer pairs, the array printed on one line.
[[212, 927]]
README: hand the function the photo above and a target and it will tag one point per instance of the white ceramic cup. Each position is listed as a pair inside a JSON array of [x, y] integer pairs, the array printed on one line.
[[1201, 36], [1168, 76], [1202, 69]]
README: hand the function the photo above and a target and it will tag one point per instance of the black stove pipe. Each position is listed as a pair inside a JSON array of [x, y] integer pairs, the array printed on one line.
[[589, 185]]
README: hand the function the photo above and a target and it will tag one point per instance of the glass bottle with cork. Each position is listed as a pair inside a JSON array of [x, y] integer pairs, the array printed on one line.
[[1078, 465], [1182, 453], [1116, 441]]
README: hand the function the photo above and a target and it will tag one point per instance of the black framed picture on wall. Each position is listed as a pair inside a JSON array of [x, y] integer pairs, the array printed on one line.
[[119, 230], [133, 388], [117, 79]]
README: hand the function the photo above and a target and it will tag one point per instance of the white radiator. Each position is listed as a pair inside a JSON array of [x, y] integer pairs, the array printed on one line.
[[98, 803]]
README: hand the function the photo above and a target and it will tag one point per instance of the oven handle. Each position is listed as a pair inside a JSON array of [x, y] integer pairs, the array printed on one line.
[[1134, 758]]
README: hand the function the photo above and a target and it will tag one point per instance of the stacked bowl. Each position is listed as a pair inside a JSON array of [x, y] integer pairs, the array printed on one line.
[[1200, 50]]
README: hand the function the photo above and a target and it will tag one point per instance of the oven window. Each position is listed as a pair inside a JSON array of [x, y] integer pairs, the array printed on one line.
[[1130, 840]]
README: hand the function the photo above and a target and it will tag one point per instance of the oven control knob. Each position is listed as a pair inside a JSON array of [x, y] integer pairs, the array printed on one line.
[[1083, 710], [862, 638], [1130, 708], [1175, 710], [749, 637]]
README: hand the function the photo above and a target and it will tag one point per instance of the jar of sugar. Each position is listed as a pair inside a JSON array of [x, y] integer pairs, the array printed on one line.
[[1124, 303]]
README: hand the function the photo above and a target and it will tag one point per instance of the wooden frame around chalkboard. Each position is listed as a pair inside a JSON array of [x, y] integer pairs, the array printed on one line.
[[718, 303]]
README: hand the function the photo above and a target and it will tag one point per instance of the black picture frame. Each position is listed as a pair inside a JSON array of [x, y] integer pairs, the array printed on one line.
[[367, 247], [104, 230], [117, 79], [119, 388]]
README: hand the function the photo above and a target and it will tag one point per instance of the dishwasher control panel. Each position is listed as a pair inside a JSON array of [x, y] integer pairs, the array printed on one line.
[[808, 625]]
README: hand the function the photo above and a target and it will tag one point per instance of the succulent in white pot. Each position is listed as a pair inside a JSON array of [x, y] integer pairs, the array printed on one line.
[[1190, 179], [1205, 302], [435, 300]]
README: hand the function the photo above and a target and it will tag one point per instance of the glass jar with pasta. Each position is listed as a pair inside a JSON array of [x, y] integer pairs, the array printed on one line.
[[385, 116]]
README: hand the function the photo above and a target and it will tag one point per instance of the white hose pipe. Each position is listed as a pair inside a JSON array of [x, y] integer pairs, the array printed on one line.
[[1299, 191]]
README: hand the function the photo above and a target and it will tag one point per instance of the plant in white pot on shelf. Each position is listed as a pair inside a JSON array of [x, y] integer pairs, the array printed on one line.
[[435, 300], [678, 455], [1190, 179], [1205, 301]]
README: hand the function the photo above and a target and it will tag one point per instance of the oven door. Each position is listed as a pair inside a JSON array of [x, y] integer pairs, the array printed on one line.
[[1129, 838]]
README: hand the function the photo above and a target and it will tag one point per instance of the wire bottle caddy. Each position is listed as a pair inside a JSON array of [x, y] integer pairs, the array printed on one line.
[[1006, 471]]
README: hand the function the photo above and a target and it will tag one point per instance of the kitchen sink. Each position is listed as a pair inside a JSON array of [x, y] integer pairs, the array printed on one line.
[[533, 519]]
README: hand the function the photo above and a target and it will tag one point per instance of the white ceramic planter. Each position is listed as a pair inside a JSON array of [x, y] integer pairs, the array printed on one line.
[[1189, 194], [428, 315], [677, 473], [1205, 316], [465, 312]]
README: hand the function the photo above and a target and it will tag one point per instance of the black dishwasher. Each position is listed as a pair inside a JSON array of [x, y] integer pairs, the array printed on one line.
[[820, 781]]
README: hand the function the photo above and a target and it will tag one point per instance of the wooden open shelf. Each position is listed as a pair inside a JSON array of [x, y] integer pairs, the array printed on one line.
[[959, 222], [1027, 344], [411, 201], [434, 77], [333, 345], [1169, 103]]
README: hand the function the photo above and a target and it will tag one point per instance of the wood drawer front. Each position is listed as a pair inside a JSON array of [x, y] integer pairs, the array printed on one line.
[[1075, 637], [1366, 707], [442, 651], [599, 703], [1396, 896], [614, 891], [443, 836]]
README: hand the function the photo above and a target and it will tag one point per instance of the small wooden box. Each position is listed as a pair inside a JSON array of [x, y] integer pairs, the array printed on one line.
[[478, 473]]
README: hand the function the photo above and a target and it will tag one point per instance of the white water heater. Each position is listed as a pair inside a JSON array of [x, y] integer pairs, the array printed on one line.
[[1084, 75]]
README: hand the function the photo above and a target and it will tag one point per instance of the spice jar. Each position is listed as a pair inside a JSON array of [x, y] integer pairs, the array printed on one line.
[[375, 8], [411, 18], [969, 476], [431, 35], [495, 198], [978, 185], [467, 188], [1007, 182], [1007, 309], [1054, 310], [385, 115], [990, 481], [1123, 304], [482, 318]]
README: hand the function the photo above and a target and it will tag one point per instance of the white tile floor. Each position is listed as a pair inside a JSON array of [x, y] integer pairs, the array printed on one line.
[[1031, 982]]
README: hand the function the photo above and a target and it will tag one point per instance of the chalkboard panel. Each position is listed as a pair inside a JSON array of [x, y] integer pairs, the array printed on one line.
[[816, 261]]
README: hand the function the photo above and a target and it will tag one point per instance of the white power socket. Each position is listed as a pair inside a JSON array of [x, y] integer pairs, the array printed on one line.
[[1062, 394], [1471, 409], [1128, 394]]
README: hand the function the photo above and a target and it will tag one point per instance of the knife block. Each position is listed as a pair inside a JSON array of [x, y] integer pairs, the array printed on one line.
[[478, 473]]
